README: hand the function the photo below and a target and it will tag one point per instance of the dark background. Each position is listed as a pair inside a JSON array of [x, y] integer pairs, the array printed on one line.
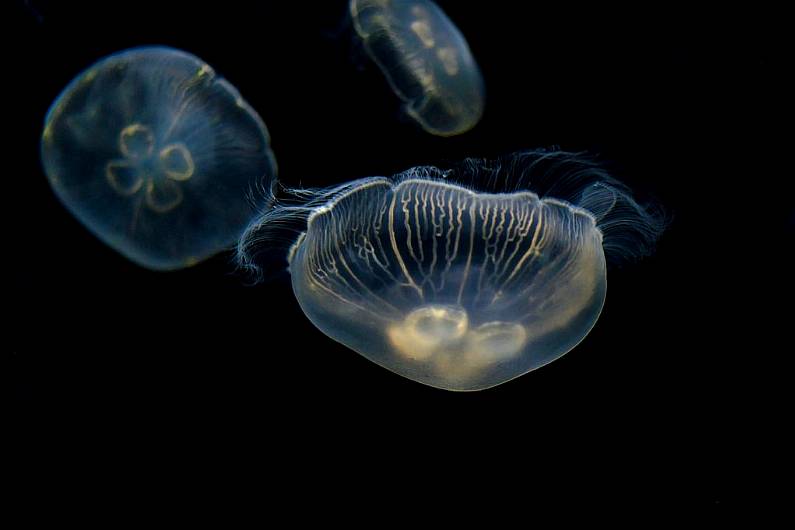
[[197, 373]]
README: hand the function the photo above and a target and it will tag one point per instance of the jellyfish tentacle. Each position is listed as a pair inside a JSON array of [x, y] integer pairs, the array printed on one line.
[[368, 292], [532, 251], [396, 251], [468, 265]]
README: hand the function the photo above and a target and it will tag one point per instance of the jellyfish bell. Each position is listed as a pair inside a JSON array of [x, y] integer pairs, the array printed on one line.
[[157, 156], [458, 288], [426, 61]]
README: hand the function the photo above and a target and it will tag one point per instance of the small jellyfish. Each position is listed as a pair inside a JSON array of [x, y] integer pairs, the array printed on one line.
[[457, 288], [426, 61], [156, 155]]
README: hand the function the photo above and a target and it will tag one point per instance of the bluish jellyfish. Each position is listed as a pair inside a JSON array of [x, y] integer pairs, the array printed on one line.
[[458, 288], [426, 61], [157, 155]]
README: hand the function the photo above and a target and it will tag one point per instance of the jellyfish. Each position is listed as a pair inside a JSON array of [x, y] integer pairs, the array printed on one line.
[[157, 156], [455, 287], [426, 61]]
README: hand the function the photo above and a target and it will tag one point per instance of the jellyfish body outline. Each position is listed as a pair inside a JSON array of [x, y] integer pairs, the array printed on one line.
[[443, 278], [157, 156], [426, 61]]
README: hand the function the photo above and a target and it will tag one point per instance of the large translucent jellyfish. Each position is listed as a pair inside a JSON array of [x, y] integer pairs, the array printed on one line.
[[456, 288], [157, 155], [426, 61]]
